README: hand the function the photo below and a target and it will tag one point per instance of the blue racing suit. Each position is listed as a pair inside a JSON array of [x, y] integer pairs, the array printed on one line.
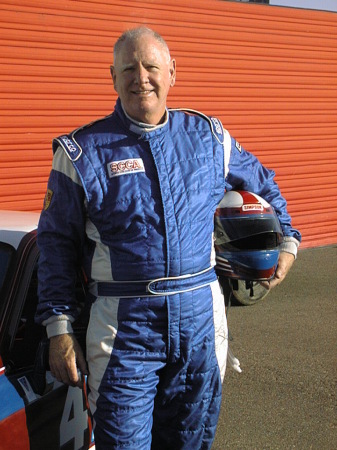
[[134, 206]]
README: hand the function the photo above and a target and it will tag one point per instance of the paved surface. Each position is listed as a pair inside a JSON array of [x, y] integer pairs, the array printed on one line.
[[285, 398]]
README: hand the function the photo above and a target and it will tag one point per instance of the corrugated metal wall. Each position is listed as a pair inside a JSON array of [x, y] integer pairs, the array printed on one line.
[[268, 72]]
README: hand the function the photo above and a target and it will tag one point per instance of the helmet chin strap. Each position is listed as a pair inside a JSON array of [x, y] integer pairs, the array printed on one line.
[[249, 285]]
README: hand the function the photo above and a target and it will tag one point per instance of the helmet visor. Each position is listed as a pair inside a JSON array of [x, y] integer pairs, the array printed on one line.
[[248, 232]]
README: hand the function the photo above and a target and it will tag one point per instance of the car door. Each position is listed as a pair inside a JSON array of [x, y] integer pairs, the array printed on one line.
[[36, 411]]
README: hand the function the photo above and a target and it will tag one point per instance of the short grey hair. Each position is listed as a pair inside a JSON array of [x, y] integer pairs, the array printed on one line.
[[134, 33]]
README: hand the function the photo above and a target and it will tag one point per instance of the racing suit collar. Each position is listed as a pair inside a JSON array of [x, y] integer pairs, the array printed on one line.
[[135, 126]]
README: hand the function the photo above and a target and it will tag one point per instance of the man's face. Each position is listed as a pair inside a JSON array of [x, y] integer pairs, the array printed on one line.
[[142, 75]]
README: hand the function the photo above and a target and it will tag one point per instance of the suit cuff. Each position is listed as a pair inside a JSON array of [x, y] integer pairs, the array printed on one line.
[[290, 245], [56, 325]]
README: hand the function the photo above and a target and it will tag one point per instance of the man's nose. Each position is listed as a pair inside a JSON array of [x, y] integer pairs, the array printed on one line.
[[142, 75]]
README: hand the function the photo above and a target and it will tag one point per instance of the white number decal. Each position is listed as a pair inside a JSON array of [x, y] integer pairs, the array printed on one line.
[[74, 420]]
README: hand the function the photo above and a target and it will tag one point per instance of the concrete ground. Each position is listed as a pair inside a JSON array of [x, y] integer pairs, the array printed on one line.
[[285, 398]]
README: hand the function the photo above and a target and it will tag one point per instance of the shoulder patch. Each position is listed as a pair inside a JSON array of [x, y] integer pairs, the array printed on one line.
[[238, 146], [47, 199], [217, 129], [69, 143], [70, 146]]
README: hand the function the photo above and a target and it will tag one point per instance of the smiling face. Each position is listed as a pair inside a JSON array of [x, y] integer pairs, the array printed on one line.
[[142, 75]]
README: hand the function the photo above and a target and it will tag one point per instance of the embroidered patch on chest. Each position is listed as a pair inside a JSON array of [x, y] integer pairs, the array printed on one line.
[[125, 166]]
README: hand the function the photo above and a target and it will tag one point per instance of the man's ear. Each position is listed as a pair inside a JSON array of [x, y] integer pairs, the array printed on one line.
[[113, 76], [172, 72]]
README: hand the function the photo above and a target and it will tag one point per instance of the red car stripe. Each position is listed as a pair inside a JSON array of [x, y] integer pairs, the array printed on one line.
[[14, 433]]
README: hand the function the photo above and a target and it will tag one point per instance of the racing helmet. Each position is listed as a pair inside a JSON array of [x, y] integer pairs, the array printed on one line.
[[247, 237]]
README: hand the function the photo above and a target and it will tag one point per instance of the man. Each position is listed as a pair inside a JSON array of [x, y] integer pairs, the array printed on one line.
[[131, 198]]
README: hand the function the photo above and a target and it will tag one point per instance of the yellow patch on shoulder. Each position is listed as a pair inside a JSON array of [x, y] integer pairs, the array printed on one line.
[[47, 199]]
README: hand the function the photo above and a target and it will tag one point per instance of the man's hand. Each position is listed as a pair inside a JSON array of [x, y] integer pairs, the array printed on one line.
[[65, 355], [286, 260]]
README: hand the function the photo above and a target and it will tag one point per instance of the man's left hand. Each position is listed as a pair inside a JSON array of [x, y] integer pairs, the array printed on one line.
[[286, 260]]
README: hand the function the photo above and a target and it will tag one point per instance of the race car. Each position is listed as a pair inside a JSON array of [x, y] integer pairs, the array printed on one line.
[[36, 411]]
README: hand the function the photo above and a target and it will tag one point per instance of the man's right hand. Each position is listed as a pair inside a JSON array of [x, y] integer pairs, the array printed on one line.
[[65, 355]]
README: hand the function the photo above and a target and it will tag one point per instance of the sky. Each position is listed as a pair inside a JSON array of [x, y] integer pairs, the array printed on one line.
[[328, 5]]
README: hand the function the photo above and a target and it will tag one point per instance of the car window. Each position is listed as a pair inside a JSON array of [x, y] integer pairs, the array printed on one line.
[[7, 253], [29, 334]]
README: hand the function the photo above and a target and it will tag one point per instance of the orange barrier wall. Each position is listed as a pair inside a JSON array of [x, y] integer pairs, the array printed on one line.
[[268, 72]]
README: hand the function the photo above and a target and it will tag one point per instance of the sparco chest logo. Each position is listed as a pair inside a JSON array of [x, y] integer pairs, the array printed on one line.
[[125, 166]]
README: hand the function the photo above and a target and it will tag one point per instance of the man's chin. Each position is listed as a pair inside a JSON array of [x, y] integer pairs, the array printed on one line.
[[145, 110], [144, 113]]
